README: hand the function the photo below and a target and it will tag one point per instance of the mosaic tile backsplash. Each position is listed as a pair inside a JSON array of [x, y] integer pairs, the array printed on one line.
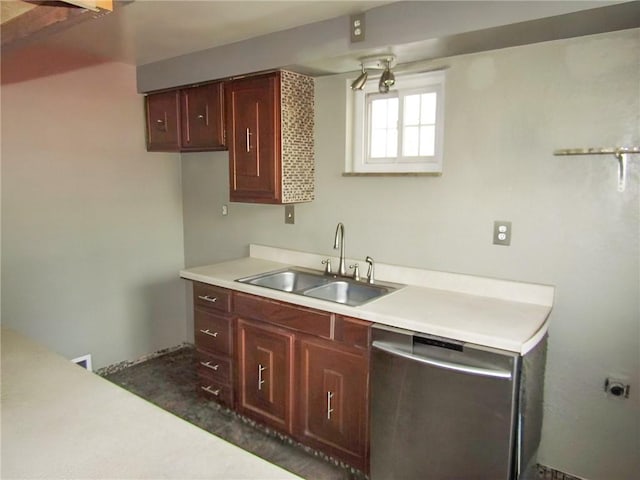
[[297, 102]]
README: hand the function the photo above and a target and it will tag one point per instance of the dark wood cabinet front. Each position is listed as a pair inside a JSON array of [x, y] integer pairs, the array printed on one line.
[[202, 117], [333, 402], [253, 121], [301, 371], [265, 366], [187, 119], [214, 341], [163, 120]]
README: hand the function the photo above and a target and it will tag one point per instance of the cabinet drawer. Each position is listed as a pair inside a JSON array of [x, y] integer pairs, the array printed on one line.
[[220, 392], [303, 319], [352, 332], [213, 333], [211, 297], [213, 366]]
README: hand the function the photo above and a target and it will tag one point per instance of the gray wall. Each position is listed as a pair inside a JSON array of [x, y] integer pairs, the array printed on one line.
[[506, 112], [91, 223]]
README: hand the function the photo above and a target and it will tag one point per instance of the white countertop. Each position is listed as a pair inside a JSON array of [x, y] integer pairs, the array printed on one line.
[[495, 313], [61, 421]]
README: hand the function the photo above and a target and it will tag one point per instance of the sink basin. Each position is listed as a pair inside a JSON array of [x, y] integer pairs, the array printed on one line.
[[310, 283], [290, 280], [348, 293]]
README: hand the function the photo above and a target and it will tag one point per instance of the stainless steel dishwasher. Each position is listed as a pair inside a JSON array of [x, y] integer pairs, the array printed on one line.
[[442, 409]]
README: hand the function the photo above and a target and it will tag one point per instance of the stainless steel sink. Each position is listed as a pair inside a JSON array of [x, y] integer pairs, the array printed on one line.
[[348, 292], [290, 280], [314, 284]]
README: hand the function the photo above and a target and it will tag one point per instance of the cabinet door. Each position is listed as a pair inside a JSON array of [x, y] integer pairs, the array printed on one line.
[[202, 116], [334, 400], [253, 122], [265, 356], [162, 122]]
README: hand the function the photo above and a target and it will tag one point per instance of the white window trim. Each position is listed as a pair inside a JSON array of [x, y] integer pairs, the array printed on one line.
[[358, 131]]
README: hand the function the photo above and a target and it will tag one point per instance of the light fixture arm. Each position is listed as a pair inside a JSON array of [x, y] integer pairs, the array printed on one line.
[[376, 63]]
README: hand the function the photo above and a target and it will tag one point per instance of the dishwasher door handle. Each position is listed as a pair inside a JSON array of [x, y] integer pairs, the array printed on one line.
[[479, 371]]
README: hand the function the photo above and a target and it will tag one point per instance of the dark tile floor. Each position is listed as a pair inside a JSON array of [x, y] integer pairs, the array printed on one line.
[[170, 382]]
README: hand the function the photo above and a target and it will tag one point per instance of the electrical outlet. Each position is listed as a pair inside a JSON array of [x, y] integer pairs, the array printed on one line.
[[357, 27], [501, 232], [289, 214], [225, 210]]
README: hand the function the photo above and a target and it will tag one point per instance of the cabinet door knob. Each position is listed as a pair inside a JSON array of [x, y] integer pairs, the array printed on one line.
[[205, 116], [161, 123]]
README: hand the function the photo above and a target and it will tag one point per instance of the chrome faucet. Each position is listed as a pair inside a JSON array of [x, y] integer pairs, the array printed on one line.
[[338, 242]]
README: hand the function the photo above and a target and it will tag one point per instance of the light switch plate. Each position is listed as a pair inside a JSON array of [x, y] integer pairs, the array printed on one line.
[[501, 232], [289, 214]]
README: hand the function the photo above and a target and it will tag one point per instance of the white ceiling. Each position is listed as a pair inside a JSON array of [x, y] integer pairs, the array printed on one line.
[[155, 35], [146, 31]]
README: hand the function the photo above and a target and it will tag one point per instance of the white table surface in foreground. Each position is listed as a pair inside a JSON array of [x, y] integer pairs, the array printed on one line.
[[61, 421]]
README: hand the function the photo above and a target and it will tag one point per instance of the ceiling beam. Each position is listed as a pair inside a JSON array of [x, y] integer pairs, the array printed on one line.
[[43, 20]]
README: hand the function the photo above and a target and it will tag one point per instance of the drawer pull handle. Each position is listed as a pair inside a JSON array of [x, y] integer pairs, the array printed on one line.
[[207, 298], [329, 409], [208, 389], [208, 365], [209, 332]]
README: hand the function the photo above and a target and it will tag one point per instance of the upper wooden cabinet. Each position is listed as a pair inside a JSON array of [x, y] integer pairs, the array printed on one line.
[[270, 125], [202, 117], [187, 119], [162, 122]]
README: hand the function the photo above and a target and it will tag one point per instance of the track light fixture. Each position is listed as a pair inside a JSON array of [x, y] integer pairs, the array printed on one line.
[[358, 83], [387, 79]]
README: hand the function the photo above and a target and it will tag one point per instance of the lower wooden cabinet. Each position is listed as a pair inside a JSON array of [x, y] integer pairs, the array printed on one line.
[[301, 371], [265, 357], [333, 401], [214, 343]]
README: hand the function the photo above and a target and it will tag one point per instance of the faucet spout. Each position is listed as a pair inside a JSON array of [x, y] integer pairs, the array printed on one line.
[[338, 242]]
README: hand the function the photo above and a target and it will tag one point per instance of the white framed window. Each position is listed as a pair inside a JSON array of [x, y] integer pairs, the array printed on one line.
[[401, 131]]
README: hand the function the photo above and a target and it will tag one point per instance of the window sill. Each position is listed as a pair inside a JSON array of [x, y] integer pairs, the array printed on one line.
[[391, 174]]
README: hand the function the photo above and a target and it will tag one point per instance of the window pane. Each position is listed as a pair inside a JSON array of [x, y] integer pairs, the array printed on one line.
[[427, 141], [392, 113], [428, 108], [392, 143], [379, 114], [410, 142], [384, 128], [412, 110], [378, 143]]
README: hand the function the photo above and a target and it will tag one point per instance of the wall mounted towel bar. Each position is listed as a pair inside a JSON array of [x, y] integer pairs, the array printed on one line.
[[620, 153]]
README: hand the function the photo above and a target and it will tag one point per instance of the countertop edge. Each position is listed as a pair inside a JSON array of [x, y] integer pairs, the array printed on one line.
[[224, 275]]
